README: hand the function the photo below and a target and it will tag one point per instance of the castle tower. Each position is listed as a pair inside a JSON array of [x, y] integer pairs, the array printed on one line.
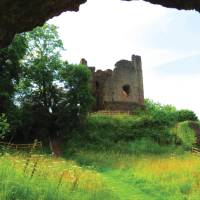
[[120, 89]]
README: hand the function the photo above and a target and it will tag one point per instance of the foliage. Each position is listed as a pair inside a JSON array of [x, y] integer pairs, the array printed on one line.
[[78, 99], [185, 134], [184, 115], [105, 132], [10, 69], [41, 66], [54, 96], [145, 132], [37, 91], [167, 113], [148, 146], [4, 126]]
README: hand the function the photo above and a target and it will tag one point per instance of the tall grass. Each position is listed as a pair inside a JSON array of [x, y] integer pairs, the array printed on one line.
[[105, 175], [185, 134], [148, 177], [52, 179]]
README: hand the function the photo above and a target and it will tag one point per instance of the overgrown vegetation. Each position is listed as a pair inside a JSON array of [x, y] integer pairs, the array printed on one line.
[[185, 135], [167, 114], [139, 156], [4, 126], [101, 175], [148, 130], [50, 179], [40, 94]]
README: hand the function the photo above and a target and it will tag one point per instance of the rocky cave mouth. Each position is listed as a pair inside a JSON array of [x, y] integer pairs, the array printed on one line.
[[21, 16]]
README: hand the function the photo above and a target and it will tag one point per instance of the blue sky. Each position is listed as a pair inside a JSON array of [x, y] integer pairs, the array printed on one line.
[[168, 41]]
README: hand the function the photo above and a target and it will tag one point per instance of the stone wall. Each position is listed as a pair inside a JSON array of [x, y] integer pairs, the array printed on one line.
[[120, 89]]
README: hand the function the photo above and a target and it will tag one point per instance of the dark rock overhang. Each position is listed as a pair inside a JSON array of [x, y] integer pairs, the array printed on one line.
[[18, 16], [179, 4]]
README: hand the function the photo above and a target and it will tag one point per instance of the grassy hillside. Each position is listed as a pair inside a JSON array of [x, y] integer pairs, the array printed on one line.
[[133, 134], [139, 157]]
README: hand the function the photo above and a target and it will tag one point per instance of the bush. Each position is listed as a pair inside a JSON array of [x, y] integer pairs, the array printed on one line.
[[4, 126], [165, 113], [184, 115], [146, 146], [149, 128], [195, 126], [106, 131], [168, 113], [185, 134]]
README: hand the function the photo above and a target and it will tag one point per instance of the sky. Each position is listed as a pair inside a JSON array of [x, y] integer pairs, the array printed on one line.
[[168, 41]]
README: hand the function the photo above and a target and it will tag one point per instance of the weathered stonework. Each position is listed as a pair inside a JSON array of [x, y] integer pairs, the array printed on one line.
[[120, 89], [20, 15]]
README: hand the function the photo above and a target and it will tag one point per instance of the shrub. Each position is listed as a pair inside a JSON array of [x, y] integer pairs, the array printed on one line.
[[184, 115], [146, 146], [195, 126], [168, 113], [165, 113], [4, 126], [185, 134], [152, 126], [106, 131]]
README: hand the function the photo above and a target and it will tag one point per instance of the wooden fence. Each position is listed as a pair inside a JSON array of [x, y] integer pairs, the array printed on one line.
[[111, 113], [196, 151], [36, 145]]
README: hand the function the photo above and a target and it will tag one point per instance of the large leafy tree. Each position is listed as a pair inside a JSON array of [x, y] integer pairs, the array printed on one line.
[[54, 96], [42, 65], [38, 91]]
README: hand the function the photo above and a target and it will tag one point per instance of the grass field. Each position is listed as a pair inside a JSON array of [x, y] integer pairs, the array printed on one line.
[[89, 175]]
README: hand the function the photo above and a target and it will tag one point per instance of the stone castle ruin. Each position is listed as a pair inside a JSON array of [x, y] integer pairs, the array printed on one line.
[[120, 89]]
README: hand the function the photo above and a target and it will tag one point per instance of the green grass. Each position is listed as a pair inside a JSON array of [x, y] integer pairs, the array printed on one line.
[[90, 175], [146, 177], [114, 158], [53, 179]]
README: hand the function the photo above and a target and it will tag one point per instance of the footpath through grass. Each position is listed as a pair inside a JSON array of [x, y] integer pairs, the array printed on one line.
[[147, 177], [90, 175]]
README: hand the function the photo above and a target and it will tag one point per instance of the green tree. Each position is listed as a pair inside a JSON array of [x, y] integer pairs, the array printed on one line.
[[10, 68], [42, 65], [54, 96], [38, 90], [77, 101]]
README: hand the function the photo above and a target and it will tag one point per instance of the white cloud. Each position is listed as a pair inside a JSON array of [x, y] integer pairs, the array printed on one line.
[[105, 31]]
